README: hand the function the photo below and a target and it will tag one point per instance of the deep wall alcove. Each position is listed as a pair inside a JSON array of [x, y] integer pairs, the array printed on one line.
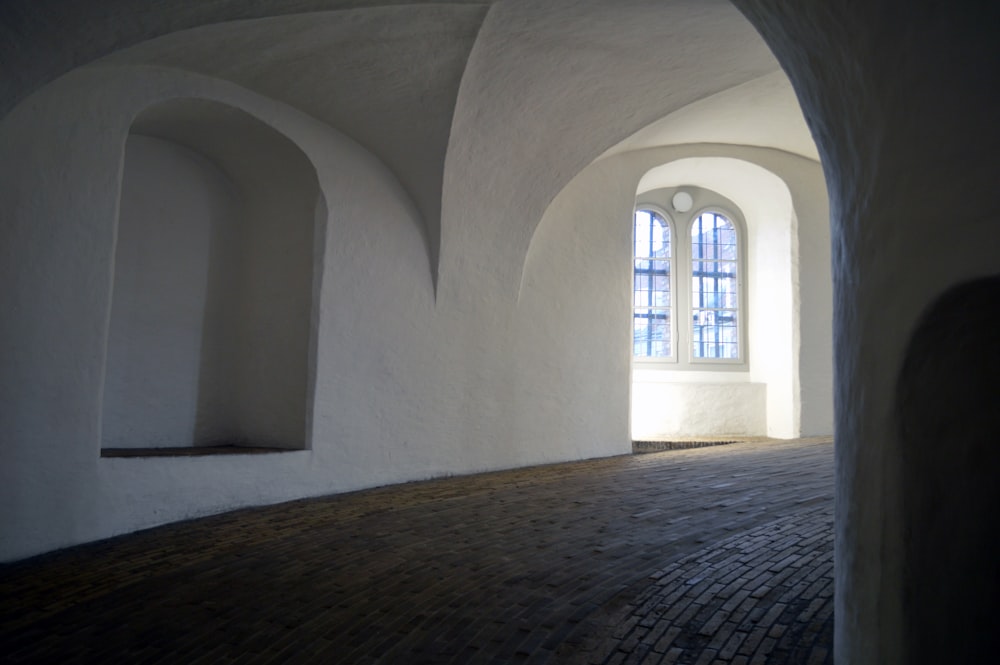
[[946, 399], [763, 395], [212, 294]]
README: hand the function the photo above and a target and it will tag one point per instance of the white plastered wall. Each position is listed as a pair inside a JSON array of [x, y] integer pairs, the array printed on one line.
[[783, 199], [409, 381], [664, 409], [212, 296], [167, 365], [684, 399], [405, 387], [765, 203], [58, 240], [909, 142]]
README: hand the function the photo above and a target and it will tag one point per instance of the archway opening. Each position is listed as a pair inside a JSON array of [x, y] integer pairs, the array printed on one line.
[[948, 422], [755, 390]]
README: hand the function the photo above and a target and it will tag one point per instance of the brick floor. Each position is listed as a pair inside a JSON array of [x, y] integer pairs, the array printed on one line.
[[711, 555]]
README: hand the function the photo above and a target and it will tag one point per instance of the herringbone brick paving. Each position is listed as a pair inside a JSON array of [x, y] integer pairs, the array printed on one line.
[[712, 555]]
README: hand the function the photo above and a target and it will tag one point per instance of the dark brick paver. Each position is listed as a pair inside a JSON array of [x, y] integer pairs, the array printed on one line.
[[712, 555]]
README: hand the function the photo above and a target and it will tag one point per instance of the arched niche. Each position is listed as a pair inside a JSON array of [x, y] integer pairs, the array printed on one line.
[[946, 409], [210, 333]]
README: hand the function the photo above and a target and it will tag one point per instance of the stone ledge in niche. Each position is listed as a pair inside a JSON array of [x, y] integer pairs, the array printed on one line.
[[193, 451]]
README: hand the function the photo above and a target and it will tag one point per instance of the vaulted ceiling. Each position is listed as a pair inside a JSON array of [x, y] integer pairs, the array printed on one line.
[[464, 101]]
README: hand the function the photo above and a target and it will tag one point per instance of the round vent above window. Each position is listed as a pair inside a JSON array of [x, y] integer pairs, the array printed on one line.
[[682, 201]]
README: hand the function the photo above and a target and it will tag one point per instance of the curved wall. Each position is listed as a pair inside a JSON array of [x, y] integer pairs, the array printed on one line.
[[409, 382], [406, 386], [685, 399], [578, 266], [63, 159], [909, 141], [548, 88], [771, 312], [908, 138]]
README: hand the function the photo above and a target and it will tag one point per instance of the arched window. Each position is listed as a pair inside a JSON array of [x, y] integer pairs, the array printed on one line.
[[691, 265], [714, 288], [651, 302]]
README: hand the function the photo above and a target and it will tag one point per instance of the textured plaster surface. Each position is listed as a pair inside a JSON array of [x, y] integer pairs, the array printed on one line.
[[519, 353], [550, 86], [761, 112], [167, 370], [409, 383], [665, 411], [789, 273], [56, 488], [576, 230], [257, 270], [88, 31], [909, 143], [387, 77], [762, 204]]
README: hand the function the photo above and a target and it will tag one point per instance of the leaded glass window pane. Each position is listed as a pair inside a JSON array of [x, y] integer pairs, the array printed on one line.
[[651, 297], [714, 287], [651, 332]]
